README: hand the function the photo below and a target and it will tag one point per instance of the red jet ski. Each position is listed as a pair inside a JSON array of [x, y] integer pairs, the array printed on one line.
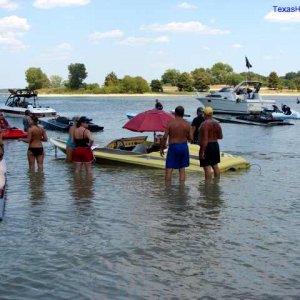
[[13, 133]]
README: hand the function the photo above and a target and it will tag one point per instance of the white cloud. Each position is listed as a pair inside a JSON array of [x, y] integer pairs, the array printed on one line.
[[206, 48], [12, 28], [283, 17], [140, 41], [184, 27], [95, 37], [236, 46], [186, 5], [58, 52], [9, 5], [47, 4]]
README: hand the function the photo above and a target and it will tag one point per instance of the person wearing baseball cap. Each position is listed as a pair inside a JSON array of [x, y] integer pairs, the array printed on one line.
[[209, 153], [196, 124]]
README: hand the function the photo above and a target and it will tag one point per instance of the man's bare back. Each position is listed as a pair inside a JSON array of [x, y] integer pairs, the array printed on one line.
[[179, 131]]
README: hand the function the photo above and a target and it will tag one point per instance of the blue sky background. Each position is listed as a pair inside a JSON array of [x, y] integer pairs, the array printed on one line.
[[145, 38]]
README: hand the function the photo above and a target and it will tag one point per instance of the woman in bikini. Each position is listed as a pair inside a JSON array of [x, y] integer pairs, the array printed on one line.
[[70, 142], [36, 135], [82, 154]]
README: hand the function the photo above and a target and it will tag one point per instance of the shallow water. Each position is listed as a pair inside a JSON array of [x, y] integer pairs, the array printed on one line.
[[122, 234]]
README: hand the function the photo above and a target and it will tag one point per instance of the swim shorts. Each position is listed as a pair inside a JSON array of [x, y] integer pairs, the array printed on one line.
[[178, 156], [83, 155], [211, 155]]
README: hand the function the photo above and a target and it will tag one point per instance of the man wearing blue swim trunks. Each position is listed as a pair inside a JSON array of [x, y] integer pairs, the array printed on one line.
[[179, 133]]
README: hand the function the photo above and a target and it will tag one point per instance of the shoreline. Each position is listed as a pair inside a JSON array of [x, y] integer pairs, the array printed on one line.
[[150, 95]]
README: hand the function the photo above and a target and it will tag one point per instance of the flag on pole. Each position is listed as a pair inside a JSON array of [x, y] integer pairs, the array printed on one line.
[[248, 65]]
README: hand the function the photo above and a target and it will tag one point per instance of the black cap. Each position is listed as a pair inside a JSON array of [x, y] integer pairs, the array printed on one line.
[[84, 119]]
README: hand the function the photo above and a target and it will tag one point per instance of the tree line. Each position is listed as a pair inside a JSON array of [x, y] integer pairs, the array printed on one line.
[[199, 79]]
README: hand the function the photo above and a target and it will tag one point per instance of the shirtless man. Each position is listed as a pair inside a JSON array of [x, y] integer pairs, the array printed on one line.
[[179, 133], [36, 135], [209, 154]]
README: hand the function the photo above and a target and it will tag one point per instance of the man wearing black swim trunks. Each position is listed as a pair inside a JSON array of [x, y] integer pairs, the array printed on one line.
[[209, 154]]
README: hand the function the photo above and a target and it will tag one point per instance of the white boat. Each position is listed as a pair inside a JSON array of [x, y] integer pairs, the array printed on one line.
[[21, 100], [244, 98], [284, 114]]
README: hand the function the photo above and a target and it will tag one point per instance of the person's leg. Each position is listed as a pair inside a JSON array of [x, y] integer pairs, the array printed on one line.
[[207, 172], [168, 177], [216, 171], [78, 166], [69, 152], [40, 161], [31, 161], [182, 174], [88, 167]]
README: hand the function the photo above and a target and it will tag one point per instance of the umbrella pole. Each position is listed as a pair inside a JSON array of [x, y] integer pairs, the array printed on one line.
[[154, 136]]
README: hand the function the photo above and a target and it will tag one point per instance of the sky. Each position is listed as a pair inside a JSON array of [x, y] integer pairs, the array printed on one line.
[[145, 37]]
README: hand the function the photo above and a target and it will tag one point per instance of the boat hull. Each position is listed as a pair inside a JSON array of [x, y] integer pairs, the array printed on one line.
[[154, 160], [20, 112], [13, 134]]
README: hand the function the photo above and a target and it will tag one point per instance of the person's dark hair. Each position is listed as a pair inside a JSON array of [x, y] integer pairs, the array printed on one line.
[[27, 112], [199, 111], [179, 111], [81, 120], [34, 119]]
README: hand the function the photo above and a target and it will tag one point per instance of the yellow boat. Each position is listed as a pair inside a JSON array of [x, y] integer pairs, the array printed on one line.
[[125, 150]]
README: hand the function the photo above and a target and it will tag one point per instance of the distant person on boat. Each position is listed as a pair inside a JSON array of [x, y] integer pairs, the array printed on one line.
[[158, 105], [83, 140], [178, 133], [298, 101], [36, 135], [70, 142], [156, 145], [196, 125], [26, 120], [3, 122], [209, 154], [286, 109]]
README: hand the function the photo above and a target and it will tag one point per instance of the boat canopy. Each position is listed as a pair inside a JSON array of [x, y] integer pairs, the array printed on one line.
[[20, 97]]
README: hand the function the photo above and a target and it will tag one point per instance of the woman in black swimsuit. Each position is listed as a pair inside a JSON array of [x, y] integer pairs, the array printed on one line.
[[36, 135]]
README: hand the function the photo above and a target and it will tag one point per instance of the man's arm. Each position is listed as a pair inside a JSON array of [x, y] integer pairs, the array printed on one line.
[[220, 133], [164, 140], [203, 141]]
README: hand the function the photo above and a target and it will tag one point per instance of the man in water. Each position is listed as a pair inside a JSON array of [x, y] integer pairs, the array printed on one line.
[[26, 120], [179, 133], [196, 125], [209, 154], [158, 105]]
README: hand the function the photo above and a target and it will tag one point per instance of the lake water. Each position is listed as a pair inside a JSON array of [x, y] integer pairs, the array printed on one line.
[[122, 234]]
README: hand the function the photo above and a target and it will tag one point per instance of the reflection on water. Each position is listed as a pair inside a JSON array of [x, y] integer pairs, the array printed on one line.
[[36, 187], [82, 188], [210, 193]]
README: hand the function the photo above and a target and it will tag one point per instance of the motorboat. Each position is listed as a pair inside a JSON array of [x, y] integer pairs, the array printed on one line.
[[129, 151], [24, 99], [286, 113], [13, 133], [130, 115], [63, 124], [244, 98], [253, 119]]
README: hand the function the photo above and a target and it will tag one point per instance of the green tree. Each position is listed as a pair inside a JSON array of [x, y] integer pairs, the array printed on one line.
[[77, 74], [142, 85], [201, 79], [170, 77], [156, 86], [273, 80], [56, 81], [220, 72], [233, 79], [111, 79], [185, 82], [36, 79]]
